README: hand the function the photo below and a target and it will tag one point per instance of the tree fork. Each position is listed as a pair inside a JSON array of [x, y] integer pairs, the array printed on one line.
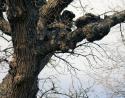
[[31, 53]]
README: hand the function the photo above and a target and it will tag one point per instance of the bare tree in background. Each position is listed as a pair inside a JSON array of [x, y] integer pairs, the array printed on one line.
[[39, 29]]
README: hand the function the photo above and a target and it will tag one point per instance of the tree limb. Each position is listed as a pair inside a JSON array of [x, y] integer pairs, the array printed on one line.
[[97, 30], [63, 40], [53, 9]]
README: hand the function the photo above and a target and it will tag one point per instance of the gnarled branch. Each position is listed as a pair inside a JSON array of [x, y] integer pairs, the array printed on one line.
[[63, 40], [97, 30]]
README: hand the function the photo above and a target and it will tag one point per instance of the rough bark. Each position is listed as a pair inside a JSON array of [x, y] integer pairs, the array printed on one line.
[[21, 81], [53, 8], [36, 36]]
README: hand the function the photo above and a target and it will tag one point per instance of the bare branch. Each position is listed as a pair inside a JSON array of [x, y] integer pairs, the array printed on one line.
[[68, 63]]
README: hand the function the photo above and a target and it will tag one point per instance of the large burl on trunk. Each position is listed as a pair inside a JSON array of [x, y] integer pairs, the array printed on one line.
[[38, 29]]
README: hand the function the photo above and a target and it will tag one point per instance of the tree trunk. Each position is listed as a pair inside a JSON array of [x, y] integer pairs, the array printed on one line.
[[21, 81]]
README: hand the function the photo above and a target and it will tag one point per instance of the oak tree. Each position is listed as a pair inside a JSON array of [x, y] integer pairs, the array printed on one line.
[[38, 29]]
